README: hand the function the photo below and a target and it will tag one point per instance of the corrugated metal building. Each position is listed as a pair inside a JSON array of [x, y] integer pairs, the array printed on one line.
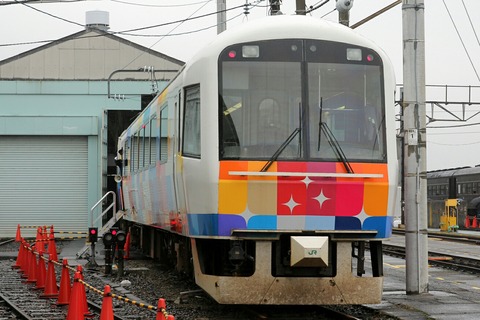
[[54, 133]]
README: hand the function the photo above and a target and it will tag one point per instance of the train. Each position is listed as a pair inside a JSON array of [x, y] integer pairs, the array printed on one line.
[[267, 168], [460, 184]]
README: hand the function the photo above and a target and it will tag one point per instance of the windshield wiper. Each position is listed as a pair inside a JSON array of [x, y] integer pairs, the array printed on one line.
[[332, 141], [280, 149]]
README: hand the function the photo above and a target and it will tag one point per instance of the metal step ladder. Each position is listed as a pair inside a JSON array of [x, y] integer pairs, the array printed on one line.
[[106, 227]]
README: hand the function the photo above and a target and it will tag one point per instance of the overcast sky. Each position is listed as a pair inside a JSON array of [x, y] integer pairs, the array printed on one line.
[[448, 59]]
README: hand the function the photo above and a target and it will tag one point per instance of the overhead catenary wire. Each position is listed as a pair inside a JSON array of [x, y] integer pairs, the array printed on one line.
[[127, 32], [461, 40], [49, 14], [470, 20], [160, 39], [159, 5], [6, 3]]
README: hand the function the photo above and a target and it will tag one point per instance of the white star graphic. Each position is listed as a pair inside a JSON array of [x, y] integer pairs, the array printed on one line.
[[291, 204], [307, 181], [321, 198]]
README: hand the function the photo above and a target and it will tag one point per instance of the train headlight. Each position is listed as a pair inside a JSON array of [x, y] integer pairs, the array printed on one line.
[[250, 51], [354, 54]]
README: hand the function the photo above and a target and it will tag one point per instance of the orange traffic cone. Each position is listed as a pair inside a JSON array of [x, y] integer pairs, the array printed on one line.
[[64, 293], [474, 222], [107, 305], [44, 239], [21, 252], [51, 290], [32, 268], [467, 222], [126, 247], [18, 236], [161, 312], [41, 271], [76, 308], [38, 238], [52, 248], [85, 307], [26, 266], [25, 258]]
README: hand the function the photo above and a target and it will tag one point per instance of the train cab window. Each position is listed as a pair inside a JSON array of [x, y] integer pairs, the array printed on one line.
[[191, 124], [282, 102]]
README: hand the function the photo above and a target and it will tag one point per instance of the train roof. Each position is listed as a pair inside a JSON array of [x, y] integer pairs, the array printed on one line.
[[446, 173], [287, 27]]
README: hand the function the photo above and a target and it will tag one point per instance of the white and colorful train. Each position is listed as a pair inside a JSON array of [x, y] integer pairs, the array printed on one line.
[[268, 164]]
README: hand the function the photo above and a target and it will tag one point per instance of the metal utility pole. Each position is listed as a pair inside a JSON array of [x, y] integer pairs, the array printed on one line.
[[221, 16], [415, 144]]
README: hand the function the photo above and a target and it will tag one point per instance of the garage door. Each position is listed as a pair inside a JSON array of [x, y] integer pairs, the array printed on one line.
[[43, 181]]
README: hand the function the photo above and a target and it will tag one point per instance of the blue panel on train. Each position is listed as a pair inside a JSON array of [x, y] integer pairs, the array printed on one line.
[[347, 223], [227, 223], [319, 223], [382, 224], [203, 224], [266, 222]]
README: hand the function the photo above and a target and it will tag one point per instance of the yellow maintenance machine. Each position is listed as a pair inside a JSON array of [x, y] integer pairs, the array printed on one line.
[[448, 220]]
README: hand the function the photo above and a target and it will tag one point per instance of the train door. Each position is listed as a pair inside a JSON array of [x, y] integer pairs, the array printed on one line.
[[177, 157]]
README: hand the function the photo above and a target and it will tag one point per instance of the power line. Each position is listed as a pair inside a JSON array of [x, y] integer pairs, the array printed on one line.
[[190, 18], [471, 24], [159, 5], [4, 3], [461, 40], [176, 34], [49, 14], [126, 32], [155, 43]]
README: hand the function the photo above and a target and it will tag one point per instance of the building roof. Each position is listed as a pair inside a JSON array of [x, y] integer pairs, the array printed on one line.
[[90, 54]]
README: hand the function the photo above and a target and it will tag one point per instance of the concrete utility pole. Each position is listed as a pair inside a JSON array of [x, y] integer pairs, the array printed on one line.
[[415, 144], [221, 16]]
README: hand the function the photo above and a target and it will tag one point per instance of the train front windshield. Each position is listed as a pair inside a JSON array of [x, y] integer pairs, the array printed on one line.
[[305, 100]]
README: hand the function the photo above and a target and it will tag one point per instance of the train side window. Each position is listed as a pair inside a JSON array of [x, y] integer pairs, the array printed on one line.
[[154, 134], [164, 135], [146, 158], [443, 190], [135, 148], [131, 155], [469, 187], [191, 123]]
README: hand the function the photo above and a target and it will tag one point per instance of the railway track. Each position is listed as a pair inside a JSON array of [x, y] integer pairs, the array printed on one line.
[[20, 300], [300, 313], [23, 300], [449, 261]]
